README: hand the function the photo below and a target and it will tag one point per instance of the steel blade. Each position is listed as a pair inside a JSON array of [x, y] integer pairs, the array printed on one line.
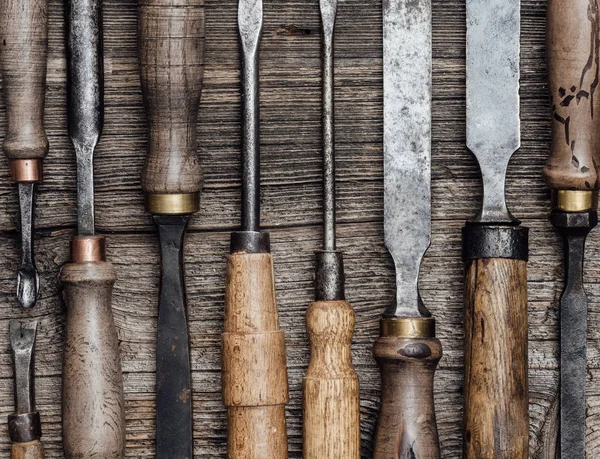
[[407, 145], [22, 343], [493, 122]]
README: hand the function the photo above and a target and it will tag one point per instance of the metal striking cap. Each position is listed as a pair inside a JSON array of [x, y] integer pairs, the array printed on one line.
[[407, 145]]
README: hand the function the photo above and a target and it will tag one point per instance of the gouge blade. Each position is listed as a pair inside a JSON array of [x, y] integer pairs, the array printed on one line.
[[28, 281], [493, 122], [407, 145], [22, 343]]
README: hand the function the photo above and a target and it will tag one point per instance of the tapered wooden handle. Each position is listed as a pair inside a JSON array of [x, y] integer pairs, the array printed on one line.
[[23, 55], [496, 395], [171, 53], [331, 392], [28, 450], [573, 68], [254, 373]]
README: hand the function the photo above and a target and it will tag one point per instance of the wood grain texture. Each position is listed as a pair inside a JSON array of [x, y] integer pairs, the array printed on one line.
[[28, 450], [496, 396]]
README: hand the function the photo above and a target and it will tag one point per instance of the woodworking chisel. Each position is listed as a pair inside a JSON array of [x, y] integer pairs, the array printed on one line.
[[407, 350]]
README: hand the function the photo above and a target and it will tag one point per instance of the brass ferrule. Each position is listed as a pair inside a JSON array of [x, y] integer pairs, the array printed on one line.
[[172, 204], [26, 170], [574, 200], [417, 327], [88, 249]]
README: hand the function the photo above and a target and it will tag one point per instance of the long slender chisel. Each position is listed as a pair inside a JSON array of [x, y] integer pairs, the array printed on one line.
[[572, 173], [407, 350], [331, 405], [254, 373], [93, 401], [23, 57], [171, 53], [495, 247]]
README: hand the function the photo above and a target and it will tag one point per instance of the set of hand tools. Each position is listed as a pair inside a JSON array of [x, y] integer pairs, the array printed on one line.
[[254, 371]]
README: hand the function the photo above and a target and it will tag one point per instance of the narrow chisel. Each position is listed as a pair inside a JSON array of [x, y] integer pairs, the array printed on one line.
[[92, 405], [254, 373], [171, 53], [407, 350], [572, 174], [495, 247], [331, 405]]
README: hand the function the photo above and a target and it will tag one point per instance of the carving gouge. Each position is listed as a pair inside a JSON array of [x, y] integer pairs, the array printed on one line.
[[254, 373], [331, 392], [24, 425], [494, 245], [23, 56], [572, 174], [407, 350], [171, 53], [93, 405]]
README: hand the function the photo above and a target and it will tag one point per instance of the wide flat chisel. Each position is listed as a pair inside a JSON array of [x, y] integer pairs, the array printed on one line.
[[495, 247], [572, 173], [407, 350]]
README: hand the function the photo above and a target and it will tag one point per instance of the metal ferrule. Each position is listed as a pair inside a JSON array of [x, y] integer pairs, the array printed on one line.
[[24, 427], [250, 242], [413, 327], [573, 220], [574, 200], [173, 204], [26, 170], [329, 276], [88, 249], [495, 241]]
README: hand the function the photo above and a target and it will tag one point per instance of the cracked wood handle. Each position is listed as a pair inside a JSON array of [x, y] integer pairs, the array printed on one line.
[[331, 390], [496, 394], [28, 450], [254, 373], [93, 401], [573, 68]]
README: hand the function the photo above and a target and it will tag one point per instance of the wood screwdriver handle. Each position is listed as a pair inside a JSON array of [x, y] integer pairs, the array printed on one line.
[[573, 69], [28, 450], [171, 55]]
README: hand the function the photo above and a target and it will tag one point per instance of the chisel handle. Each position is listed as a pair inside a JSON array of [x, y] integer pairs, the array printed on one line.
[[93, 401], [255, 385], [331, 391], [28, 450]]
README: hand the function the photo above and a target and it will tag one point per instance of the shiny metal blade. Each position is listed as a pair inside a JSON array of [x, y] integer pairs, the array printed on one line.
[[493, 122], [22, 343], [28, 280], [407, 145]]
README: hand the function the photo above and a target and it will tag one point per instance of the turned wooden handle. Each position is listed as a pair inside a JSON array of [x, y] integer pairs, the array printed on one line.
[[496, 395], [93, 405], [573, 48], [254, 372], [331, 391], [23, 55], [29, 450], [171, 54]]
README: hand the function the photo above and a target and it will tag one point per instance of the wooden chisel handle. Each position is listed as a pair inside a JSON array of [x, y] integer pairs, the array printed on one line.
[[93, 406], [29, 450], [255, 387]]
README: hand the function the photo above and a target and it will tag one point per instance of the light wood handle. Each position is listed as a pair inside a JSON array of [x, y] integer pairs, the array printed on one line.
[[29, 450], [23, 56], [254, 373], [573, 48], [93, 405], [331, 390], [496, 394], [171, 53]]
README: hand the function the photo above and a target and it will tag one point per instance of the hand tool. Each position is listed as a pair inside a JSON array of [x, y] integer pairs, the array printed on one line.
[[572, 174], [254, 373], [93, 404], [331, 392], [171, 52], [23, 56], [495, 247], [407, 350], [24, 425]]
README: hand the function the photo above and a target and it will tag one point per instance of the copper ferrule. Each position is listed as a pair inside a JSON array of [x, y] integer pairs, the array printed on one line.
[[26, 170], [417, 327], [172, 204], [574, 200], [88, 249]]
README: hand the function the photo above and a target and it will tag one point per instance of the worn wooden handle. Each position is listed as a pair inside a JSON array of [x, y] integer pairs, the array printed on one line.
[[496, 394], [23, 55], [29, 450], [573, 49], [331, 391], [171, 53], [254, 373]]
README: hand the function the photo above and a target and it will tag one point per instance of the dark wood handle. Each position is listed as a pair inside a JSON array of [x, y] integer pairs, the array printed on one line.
[[573, 68], [29, 450], [171, 53], [93, 405], [23, 56], [331, 391], [255, 385], [496, 394]]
